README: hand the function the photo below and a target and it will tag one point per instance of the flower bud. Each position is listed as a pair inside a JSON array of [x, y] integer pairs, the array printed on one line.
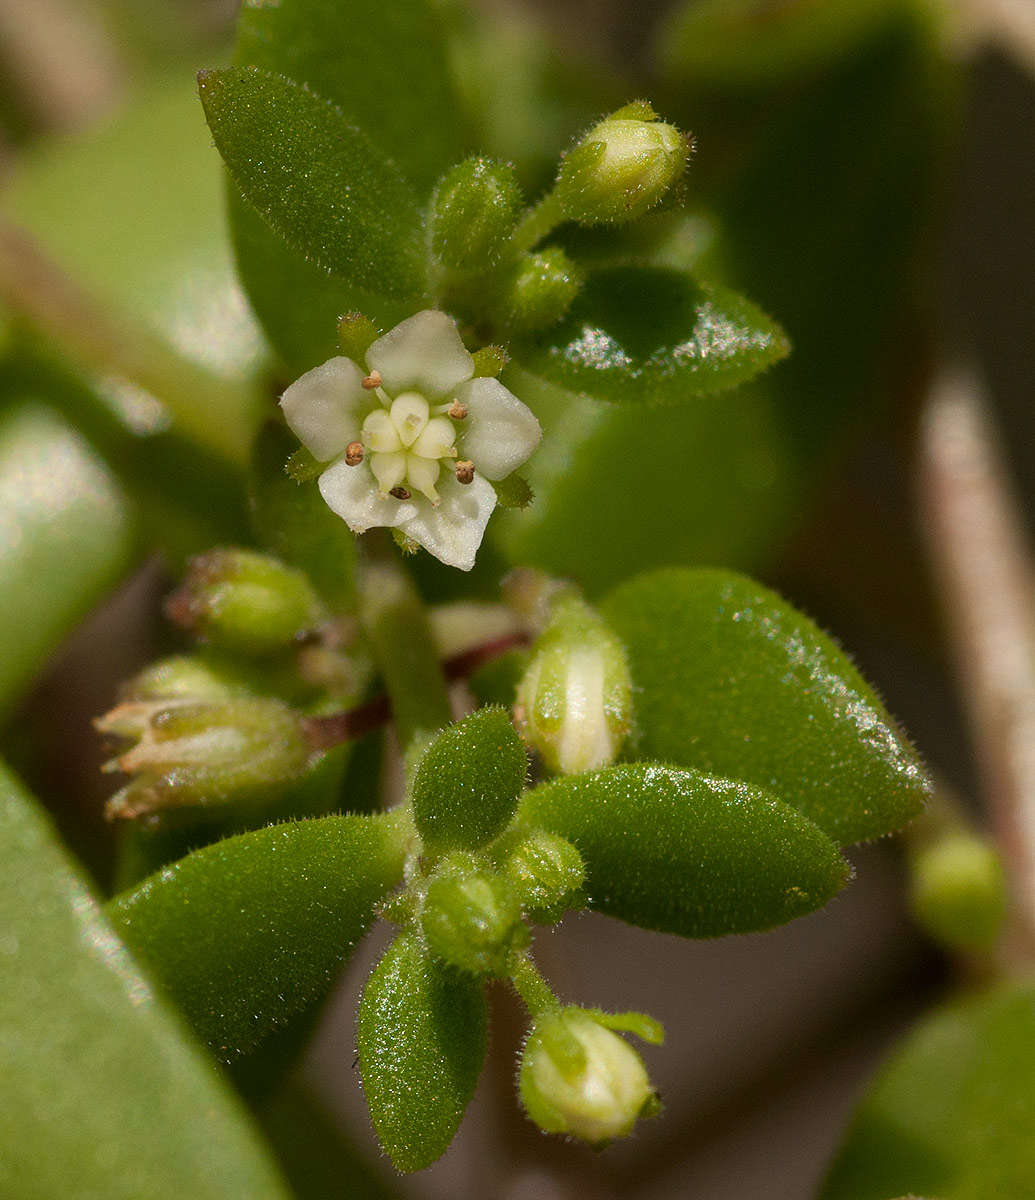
[[473, 214], [472, 918], [539, 291], [245, 602], [574, 703], [622, 167], [547, 872], [580, 1078], [959, 892], [201, 751]]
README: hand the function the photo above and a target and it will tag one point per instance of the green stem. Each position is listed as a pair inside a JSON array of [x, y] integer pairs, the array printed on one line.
[[533, 989], [537, 223], [396, 623]]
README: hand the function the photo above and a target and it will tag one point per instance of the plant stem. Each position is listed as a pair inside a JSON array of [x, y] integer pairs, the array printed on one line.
[[533, 989], [988, 583], [536, 224], [396, 622]]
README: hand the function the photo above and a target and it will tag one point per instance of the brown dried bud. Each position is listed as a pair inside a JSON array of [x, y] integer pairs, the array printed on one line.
[[354, 454]]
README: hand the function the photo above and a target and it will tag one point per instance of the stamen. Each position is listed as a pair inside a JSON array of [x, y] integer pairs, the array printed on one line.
[[457, 410], [400, 493], [354, 454], [465, 471], [373, 380]]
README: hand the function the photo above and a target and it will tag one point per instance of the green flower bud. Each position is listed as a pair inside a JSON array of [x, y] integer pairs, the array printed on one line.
[[188, 751], [574, 703], [959, 892], [539, 291], [580, 1078], [472, 918], [548, 874], [473, 214], [622, 167], [244, 602]]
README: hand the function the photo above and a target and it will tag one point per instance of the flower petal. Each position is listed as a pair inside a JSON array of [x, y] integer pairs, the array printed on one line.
[[322, 407], [453, 531], [389, 470], [499, 432], [422, 474], [353, 494], [423, 354]]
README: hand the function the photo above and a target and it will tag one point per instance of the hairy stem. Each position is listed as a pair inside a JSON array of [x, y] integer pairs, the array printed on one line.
[[529, 984]]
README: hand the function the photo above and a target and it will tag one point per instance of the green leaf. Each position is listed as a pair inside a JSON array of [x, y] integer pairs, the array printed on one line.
[[105, 1095], [65, 537], [652, 335], [467, 783], [384, 65], [684, 853], [421, 1042], [951, 1115], [246, 933], [317, 180], [732, 680]]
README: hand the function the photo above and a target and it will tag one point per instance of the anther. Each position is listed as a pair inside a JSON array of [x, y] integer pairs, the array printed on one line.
[[465, 471], [354, 453], [373, 380], [400, 493], [457, 410]]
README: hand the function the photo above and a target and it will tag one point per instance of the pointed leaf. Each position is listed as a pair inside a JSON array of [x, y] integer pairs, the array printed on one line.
[[421, 1042], [384, 65], [683, 853], [104, 1092], [731, 679], [651, 335], [317, 179], [951, 1114], [246, 933]]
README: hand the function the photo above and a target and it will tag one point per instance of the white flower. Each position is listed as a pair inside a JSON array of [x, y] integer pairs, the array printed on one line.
[[413, 440]]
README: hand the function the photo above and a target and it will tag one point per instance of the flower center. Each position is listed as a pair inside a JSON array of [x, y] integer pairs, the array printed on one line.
[[407, 445]]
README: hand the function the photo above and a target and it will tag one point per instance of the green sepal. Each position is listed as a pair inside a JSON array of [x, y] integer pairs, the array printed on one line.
[[421, 1042], [647, 1028], [687, 853], [246, 933], [652, 335], [513, 492], [732, 680], [467, 783], [317, 179]]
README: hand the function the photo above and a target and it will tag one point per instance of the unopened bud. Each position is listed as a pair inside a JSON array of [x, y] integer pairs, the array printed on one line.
[[622, 167], [187, 752], [245, 602], [539, 291], [473, 214], [959, 892], [575, 698], [548, 874], [579, 1078], [472, 918]]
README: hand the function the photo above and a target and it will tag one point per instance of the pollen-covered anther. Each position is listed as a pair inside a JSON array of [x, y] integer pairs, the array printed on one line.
[[457, 411], [465, 471], [373, 380], [399, 492], [354, 453]]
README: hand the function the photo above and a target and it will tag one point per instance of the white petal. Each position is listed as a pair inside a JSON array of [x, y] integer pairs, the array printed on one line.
[[453, 531], [409, 416], [380, 434], [321, 407], [423, 354], [353, 494], [499, 432], [437, 439], [389, 469], [423, 475]]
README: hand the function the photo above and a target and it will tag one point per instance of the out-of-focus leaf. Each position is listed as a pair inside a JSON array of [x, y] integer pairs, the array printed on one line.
[[684, 853], [246, 933], [317, 179], [66, 534], [421, 1042], [730, 679], [104, 1094], [651, 335], [952, 1115]]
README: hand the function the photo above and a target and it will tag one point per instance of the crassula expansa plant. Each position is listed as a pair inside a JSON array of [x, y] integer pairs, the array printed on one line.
[[465, 642]]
